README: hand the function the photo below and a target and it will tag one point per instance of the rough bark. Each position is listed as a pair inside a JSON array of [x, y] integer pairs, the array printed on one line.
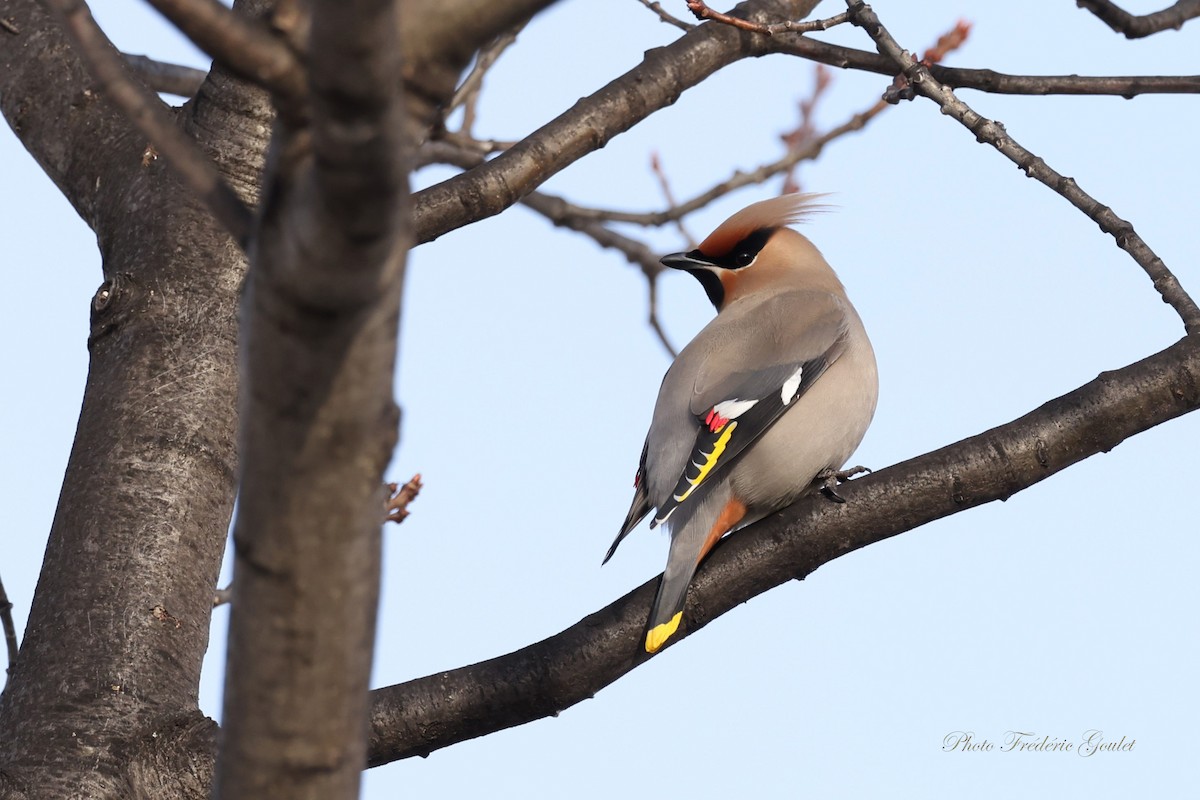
[[119, 625], [321, 318]]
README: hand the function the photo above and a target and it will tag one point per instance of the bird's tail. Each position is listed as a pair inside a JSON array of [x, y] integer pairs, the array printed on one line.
[[691, 541], [669, 602]]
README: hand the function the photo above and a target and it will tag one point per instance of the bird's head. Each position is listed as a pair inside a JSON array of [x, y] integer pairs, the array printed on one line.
[[754, 250]]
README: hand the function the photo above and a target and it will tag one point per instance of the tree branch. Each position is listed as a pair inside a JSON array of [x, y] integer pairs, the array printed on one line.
[[986, 80], [563, 214], [441, 37], [150, 116], [318, 423], [663, 16], [702, 11], [467, 93], [543, 679], [997, 136], [10, 630], [665, 74], [166, 78], [243, 46], [47, 98], [1137, 27], [738, 180], [654, 84]]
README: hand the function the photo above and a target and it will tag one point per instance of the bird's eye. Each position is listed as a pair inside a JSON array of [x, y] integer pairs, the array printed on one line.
[[743, 259]]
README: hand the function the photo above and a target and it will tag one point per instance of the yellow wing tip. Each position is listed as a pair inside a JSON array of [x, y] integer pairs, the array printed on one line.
[[659, 634]]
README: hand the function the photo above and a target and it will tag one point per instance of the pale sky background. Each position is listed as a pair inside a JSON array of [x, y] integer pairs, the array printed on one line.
[[1068, 608]]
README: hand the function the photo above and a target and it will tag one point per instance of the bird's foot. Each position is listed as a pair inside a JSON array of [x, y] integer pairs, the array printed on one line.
[[400, 496], [830, 478]]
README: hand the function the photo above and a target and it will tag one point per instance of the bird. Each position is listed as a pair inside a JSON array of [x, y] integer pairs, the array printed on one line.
[[765, 404]]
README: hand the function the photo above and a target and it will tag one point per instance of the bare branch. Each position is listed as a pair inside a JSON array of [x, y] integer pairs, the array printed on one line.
[[481, 146], [543, 679], [702, 11], [440, 38], [467, 94], [655, 323], [557, 211], [1137, 27], [48, 97], [739, 179], [637, 253], [399, 498], [165, 78], [663, 75], [665, 185], [806, 130], [563, 214], [667, 72], [994, 133], [244, 47], [10, 630], [150, 116], [318, 422], [657, 8], [987, 80]]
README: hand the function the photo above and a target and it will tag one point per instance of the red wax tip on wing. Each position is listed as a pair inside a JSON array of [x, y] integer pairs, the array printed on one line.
[[715, 421]]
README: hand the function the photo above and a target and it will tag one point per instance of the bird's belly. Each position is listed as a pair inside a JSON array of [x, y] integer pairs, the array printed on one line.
[[819, 433]]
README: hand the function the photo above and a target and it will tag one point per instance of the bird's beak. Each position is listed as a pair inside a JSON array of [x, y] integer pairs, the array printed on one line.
[[692, 260]]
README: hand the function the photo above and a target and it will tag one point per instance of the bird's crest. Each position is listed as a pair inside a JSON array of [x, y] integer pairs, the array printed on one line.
[[776, 212]]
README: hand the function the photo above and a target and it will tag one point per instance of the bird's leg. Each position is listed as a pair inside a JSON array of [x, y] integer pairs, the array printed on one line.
[[830, 478]]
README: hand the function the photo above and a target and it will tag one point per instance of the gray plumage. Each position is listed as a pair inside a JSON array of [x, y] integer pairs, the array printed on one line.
[[777, 389]]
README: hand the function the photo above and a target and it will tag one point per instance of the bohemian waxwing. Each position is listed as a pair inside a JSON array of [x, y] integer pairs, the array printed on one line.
[[766, 403]]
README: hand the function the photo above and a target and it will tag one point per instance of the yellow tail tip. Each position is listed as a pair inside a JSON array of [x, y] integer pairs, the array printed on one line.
[[659, 634]]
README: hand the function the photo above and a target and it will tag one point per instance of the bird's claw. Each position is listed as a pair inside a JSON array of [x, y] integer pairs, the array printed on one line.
[[830, 478]]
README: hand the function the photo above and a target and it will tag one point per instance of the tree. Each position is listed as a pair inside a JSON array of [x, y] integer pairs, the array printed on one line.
[[138, 536]]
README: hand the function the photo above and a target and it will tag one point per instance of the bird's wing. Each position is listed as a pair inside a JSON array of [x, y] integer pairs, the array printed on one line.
[[765, 361], [638, 509]]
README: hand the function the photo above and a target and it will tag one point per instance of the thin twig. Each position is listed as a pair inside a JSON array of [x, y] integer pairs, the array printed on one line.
[[152, 118], [655, 323], [806, 130], [166, 78], [702, 11], [994, 133], [947, 43], [555, 209], [400, 496], [665, 17], [10, 629], [1137, 27], [10, 26], [449, 147], [738, 180], [986, 80], [467, 93], [669, 196], [563, 214], [558, 211], [222, 597], [245, 47], [468, 142]]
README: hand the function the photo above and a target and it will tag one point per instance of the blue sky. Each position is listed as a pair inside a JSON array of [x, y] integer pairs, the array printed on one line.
[[528, 374]]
